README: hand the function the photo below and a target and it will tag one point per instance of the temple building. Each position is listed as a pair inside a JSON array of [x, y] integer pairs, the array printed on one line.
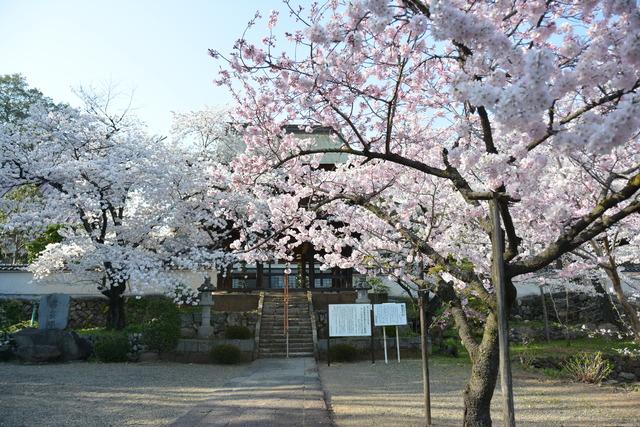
[[305, 269]]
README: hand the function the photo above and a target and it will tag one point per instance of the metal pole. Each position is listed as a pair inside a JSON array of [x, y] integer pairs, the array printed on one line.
[[425, 358], [384, 339], [373, 354], [544, 314], [286, 312], [503, 335], [398, 344], [34, 309]]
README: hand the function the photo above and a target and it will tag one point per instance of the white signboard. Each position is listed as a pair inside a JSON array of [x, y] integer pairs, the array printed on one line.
[[390, 314], [349, 320]]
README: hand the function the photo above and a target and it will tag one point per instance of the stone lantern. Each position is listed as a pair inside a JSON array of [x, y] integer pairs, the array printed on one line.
[[362, 290], [206, 302]]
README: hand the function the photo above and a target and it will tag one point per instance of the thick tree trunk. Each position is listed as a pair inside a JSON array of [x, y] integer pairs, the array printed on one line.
[[115, 292], [484, 374], [485, 364], [115, 315]]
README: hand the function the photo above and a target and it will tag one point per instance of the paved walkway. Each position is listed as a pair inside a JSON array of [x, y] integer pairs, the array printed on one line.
[[273, 392]]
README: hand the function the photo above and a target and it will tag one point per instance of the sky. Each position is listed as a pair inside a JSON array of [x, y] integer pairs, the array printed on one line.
[[155, 49]]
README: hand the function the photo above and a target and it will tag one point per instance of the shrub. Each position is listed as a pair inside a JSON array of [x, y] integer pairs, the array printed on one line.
[[343, 353], [449, 347], [588, 367], [11, 313], [237, 333], [226, 354], [158, 319], [161, 335], [112, 347]]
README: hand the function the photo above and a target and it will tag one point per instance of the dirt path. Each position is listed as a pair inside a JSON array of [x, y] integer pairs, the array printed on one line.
[[106, 394], [362, 394]]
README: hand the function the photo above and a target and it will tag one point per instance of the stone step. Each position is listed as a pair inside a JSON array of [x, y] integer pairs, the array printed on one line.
[[280, 303], [283, 348], [280, 323], [292, 343], [266, 340], [281, 313], [280, 331], [273, 341], [282, 355], [281, 337], [273, 337]]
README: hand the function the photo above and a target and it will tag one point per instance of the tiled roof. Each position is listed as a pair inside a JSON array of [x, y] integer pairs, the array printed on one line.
[[631, 268], [14, 267]]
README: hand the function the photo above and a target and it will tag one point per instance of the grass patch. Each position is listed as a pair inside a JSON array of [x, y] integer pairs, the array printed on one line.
[[559, 348]]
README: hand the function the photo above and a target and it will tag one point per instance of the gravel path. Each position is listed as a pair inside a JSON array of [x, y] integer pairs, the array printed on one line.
[[95, 394], [362, 394]]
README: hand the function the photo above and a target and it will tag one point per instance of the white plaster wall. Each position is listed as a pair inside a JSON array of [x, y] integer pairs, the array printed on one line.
[[21, 283], [525, 288]]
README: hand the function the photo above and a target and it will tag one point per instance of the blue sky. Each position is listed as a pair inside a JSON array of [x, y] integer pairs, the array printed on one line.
[[157, 48]]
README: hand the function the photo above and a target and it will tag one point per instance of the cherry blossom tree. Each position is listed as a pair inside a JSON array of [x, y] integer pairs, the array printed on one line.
[[131, 206], [439, 107], [208, 132]]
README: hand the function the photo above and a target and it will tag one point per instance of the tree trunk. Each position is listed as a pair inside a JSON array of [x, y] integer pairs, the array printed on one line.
[[115, 315], [608, 310], [484, 374], [629, 310], [485, 364], [115, 293]]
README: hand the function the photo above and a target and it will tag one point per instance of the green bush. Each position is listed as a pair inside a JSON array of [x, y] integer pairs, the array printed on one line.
[[343, 353], [11, 313], [226, 354], [449, 347], [161, 335], [158, 319], [112, 347], [588, 367], [237, 333]]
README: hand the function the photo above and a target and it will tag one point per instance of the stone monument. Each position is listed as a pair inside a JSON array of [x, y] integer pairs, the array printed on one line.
[[206, 301], [51, 342], [362, 291], [53, 312]]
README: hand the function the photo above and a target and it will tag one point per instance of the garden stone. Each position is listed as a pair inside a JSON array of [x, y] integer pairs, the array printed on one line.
[[69, 345], [5, 352], [149, 356], [627, 376], [38, 353], [188, 332]]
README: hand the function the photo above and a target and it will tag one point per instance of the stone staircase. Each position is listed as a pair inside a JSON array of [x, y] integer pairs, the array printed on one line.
[[272, 336]]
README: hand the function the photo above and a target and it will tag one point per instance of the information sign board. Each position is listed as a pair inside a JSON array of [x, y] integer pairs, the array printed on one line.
[[390, 314], [349, 320]]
